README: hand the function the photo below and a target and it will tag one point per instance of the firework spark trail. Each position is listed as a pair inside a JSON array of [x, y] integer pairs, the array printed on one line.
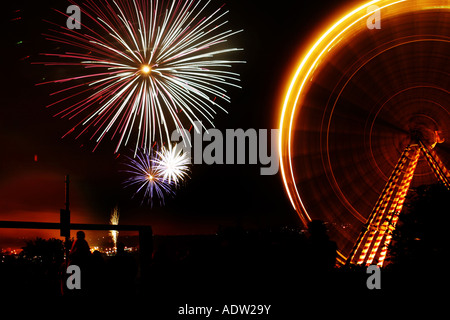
[[114, 220], [147, 65], [146, 176]]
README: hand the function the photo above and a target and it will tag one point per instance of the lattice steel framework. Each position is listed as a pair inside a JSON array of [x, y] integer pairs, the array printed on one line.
[[372, 244]]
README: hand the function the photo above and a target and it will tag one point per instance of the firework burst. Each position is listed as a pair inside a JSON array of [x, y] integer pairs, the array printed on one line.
[[114, 220], [147, 177], [148, 67], [173, 163]]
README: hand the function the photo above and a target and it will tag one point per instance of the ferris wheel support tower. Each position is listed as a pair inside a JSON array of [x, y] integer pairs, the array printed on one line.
[[373, 242]]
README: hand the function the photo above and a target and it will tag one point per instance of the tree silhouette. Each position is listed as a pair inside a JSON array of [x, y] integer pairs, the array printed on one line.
[[45, 251], [420, 239]]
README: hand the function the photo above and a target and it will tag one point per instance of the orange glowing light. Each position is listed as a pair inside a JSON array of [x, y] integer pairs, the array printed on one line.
[[146, 69]]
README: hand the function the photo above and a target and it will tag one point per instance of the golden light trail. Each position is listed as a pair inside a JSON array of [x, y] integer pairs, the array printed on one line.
[[391, 221], [304, 72], [382, 204]]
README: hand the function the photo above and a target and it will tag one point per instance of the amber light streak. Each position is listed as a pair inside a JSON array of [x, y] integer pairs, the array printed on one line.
[[304, 72]]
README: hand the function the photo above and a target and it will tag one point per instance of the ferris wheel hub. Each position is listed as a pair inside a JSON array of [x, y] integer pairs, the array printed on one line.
[[427, 136]]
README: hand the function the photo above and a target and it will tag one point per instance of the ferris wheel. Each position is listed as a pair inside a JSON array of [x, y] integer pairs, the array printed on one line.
[[365, 118]]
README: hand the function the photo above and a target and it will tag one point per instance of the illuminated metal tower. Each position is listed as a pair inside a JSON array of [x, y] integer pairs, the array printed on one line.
[[373, 241]]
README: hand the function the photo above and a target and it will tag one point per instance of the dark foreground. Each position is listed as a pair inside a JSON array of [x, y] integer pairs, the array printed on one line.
[[284, 271]]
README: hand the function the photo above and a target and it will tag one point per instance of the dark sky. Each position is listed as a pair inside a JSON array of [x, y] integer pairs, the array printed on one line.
[[274, 34]]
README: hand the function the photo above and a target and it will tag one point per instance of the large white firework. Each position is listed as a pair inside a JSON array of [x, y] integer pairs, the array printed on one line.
[[149, 67], [173, 163]]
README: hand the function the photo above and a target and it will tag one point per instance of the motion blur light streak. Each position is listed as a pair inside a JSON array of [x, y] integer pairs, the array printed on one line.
[[146, 65], [302, 78], [354, 104]]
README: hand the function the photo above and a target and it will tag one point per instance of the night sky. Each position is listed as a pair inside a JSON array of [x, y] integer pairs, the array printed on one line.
[[34, 159]]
